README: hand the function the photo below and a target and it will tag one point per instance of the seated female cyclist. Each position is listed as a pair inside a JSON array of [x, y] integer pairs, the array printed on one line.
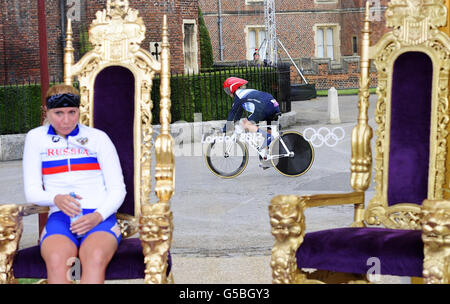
[[63, 157]]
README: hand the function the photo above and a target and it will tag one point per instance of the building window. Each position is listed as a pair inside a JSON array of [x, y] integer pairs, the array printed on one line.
[[255, 37], [190, 47], [355, 45], [327, 41], [248, 2]]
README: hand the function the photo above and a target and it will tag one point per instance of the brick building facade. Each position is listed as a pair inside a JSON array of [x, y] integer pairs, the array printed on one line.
[[19, 39], [323, 36]]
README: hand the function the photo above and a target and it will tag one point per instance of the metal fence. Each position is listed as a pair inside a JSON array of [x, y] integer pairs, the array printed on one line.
[[20, 103], [20, 107]]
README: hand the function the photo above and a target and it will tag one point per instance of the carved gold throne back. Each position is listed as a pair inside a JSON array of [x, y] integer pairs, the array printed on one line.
[[115, 81], [412, 114]]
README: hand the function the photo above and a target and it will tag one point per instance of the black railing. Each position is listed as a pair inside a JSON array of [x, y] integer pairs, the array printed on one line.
[[20, 104], [20, 107]]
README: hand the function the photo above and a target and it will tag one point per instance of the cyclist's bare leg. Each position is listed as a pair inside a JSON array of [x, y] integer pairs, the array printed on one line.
[[251, 127]]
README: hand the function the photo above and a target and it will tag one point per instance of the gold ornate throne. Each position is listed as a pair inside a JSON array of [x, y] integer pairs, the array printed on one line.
[[115, 81], [411, 167]]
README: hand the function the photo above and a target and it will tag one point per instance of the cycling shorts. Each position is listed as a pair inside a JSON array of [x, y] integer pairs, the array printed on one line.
[[59, 223], [256, 116], [259, 115]]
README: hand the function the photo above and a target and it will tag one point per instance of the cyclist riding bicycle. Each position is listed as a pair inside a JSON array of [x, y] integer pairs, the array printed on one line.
[[260, 105]]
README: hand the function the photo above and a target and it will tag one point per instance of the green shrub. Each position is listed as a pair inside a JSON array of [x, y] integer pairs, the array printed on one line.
[[20, 108], [206, 51], [344, 92], [85, 45]]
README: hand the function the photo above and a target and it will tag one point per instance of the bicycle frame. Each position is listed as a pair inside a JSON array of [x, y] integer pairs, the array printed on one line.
[[252, 142]]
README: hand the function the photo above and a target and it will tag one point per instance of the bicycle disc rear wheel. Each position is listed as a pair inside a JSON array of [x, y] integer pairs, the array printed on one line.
[[302, 159], [224, 161]]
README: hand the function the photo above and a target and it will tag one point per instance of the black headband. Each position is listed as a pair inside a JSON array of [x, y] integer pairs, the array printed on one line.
[[63, 100]]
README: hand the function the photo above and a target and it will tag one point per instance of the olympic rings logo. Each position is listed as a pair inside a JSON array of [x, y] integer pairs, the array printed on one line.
[[324, 136]]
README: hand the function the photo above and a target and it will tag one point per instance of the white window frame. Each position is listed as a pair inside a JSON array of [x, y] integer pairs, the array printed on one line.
[[325, 1], [249, 2], [249, 54], [336, 40], [195, 68]]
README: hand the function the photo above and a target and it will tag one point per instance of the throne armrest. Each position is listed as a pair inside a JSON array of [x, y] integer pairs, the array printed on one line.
[[355, 198], [287, 219], [319, 200], [29, 209], [435, 219]]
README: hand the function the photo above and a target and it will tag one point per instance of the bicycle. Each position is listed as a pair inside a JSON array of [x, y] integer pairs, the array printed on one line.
[[289, 152]]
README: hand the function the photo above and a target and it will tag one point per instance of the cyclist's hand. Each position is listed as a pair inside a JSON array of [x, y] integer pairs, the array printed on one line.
[[67, 204], [86, 223]]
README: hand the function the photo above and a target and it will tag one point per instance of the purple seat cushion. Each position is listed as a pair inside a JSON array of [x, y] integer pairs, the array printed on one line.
[[348, 249], [127, 263]]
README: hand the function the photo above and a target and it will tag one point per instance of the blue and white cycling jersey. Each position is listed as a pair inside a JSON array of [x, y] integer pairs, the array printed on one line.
[[261, 105]]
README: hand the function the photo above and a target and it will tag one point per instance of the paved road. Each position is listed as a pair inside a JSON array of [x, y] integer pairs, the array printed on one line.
[[229, 217], [222, 225]]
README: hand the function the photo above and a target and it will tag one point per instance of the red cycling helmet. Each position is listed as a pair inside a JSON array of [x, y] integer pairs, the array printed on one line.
[[231, 84]]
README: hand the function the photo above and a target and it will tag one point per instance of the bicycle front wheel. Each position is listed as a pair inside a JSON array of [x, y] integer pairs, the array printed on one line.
[[226, 159], [299, 162]]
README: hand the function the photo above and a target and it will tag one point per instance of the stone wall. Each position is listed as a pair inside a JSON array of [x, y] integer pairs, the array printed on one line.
[[11, 147], [326, 74]]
